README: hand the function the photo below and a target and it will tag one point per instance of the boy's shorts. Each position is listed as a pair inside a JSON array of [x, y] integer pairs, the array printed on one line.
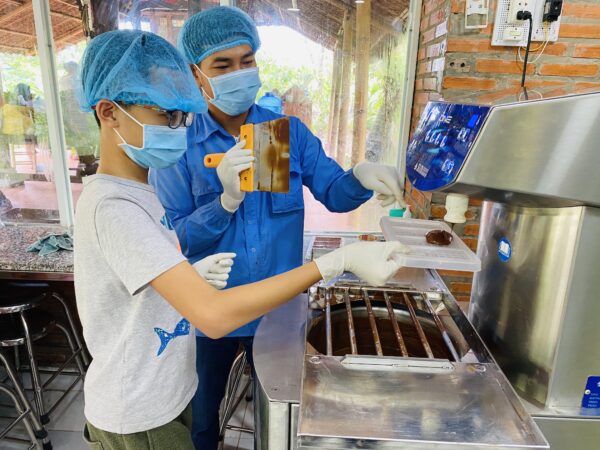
[[175, 435]]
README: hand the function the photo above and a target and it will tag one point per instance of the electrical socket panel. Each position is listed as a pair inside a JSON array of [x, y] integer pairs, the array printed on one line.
[[506, 32], [518, 5]]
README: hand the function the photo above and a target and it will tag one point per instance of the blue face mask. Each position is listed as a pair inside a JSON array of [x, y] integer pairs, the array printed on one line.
[[162, 146], [235, 92]]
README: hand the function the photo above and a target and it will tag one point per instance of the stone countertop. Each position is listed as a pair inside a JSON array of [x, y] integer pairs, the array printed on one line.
[[14, 257]]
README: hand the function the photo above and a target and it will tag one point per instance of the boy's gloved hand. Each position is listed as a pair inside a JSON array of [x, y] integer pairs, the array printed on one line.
[[371, 261], [215, 268], [235, 161], [382, 179]]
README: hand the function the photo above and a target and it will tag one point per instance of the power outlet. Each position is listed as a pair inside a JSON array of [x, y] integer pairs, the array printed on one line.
[[516, 6]]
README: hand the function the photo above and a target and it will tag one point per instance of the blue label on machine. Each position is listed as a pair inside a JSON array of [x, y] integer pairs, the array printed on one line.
[[591, 395], [504, 249], [441, 142]]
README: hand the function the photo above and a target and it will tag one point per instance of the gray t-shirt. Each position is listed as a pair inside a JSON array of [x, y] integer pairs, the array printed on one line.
[[143, 371]]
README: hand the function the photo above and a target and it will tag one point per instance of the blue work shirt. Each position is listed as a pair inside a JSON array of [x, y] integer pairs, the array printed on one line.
[[267, 230]]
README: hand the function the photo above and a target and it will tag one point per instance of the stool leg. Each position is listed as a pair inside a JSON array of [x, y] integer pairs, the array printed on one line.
[[35, 374], [84, 357], [40, 431], [74, 350], [24, 414], [230, 403]]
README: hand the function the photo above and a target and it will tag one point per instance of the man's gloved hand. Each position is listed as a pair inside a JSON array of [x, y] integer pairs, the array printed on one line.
[[215, 268], [235, 161], [382, 179], [371, 261]]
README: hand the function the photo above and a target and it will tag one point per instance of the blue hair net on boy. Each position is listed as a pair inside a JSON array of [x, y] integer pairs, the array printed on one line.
[[137, 67], [214, 30]]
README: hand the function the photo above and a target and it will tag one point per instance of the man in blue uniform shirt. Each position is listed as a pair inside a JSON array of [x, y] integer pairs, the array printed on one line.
[[210, 213]]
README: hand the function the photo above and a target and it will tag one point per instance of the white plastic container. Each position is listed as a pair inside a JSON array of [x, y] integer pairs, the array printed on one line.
[[411, 232]]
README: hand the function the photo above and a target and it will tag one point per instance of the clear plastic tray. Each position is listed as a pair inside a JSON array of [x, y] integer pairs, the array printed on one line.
[[411, 232]]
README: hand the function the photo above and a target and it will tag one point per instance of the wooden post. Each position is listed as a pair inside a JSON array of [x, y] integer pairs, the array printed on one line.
[[334, 111], [361, 87], [347, 57]]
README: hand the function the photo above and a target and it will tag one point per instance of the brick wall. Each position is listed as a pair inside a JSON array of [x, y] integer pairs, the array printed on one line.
[[461, 65]]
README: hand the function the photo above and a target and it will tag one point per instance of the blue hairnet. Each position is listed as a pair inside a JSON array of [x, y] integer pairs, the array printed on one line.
[[214, 30], [137, 67]]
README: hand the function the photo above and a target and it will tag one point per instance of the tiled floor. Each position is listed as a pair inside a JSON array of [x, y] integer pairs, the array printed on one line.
[[68, 420]]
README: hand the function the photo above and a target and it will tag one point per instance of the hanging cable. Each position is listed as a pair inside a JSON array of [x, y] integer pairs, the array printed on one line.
[[526, 15]]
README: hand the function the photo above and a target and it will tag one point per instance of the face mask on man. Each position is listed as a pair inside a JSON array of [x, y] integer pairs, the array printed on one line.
[[234, 93], [162, 146]]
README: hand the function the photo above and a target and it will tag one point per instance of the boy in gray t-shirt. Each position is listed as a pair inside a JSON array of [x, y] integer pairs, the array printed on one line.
[[137, 296]]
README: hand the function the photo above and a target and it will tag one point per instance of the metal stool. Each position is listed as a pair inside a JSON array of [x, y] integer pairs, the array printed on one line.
[[16, 393], [22, 324], [231, 401]]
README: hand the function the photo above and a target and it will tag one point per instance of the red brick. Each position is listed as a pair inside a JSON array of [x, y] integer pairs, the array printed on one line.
[[470, 215], [418, 197], [470, 45], [428, 36], [430, 84], [421, 98], [579, 30], [419, 84], [471, 243], [457, 6], [437, 212], [556, 49], [433, 51], [471, 229], [581, 10], [437, 17], [463, 298], [495, 96], [458, 287], [455, 273], [587, 51], [469, 83], [556, 93], [579, 87], [421, 55], [475, 201], [538, 83], [502, 66], [424, 67], [424, 23], [569, 70]]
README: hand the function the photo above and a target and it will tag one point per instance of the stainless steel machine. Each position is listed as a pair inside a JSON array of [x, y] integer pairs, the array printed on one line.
[[536, 301], [401, 366]]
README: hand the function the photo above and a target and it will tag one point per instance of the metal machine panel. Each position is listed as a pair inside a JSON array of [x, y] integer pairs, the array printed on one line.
[[433, 404], [542, 153], [538, 153], [520, 296], [570, 434], [441, 143]]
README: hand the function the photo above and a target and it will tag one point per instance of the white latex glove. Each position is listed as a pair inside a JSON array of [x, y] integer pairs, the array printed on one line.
[[215, 268], [371, 261], [382, 179], [235, 161]]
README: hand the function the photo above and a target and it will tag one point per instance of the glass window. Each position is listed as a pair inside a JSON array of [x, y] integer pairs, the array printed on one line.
[[27, 189], [337, 65]]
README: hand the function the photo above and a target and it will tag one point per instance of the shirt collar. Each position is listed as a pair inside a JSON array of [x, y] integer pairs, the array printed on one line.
[[206, 125]]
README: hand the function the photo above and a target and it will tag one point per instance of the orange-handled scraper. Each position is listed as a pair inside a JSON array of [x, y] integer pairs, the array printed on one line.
[[270, 145], [212, 160]]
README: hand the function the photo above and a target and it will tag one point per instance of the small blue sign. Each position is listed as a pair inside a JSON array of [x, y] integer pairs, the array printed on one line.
[[504, 250], [591, 395]]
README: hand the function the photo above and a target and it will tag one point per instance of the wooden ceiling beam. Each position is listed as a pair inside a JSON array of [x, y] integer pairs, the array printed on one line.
[[16, 33]]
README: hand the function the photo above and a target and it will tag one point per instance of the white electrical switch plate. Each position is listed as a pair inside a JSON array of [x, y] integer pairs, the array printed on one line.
[[540, 33], [515, 7], [513, 33]]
